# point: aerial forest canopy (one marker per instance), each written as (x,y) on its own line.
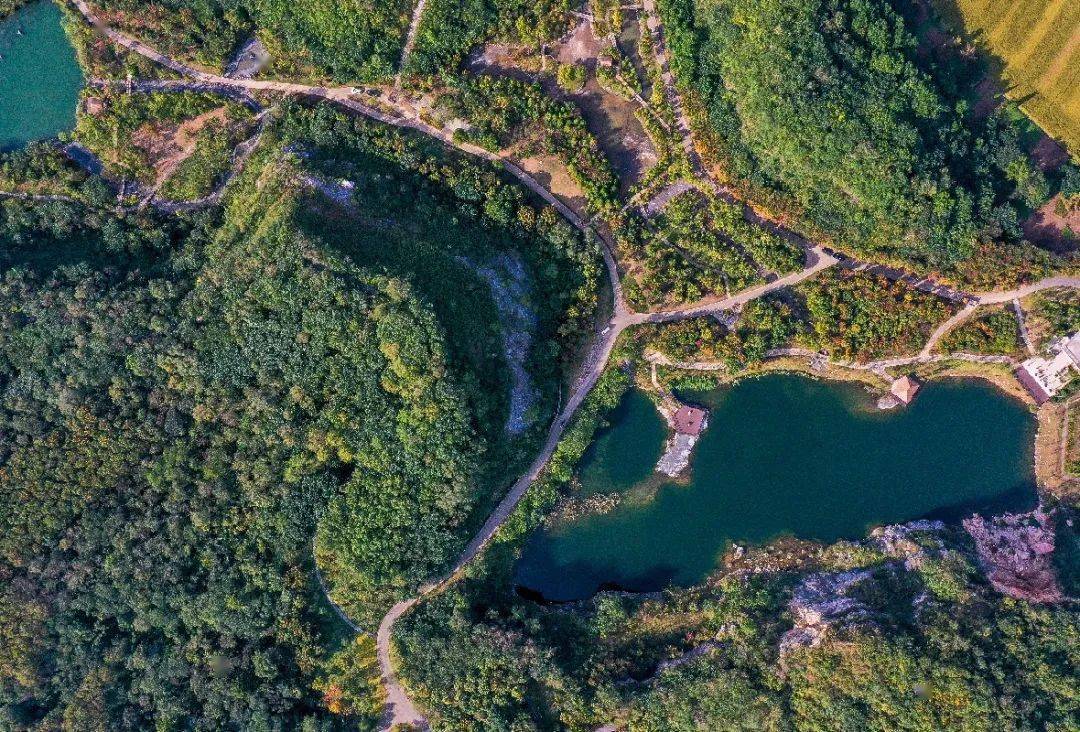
(825,106)
(349,40)
(181,434)
(193,409)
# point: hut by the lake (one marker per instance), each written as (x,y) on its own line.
(905,388)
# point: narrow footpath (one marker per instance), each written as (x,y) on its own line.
(410,40)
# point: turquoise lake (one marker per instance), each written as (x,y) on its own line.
(784,455)
(40,78)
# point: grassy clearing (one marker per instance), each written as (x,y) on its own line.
(1038,42)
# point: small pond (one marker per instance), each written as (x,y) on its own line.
(783,455)
(40,78)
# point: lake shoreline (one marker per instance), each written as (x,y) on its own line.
(740,491)
(40,76)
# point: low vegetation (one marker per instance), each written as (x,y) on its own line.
(697,247)
(571,77)
(209,161)
(995,331)
(347,41)
(450,29)
(761,326)
(504,111)
(865,317)
(1055,313)
(139,137)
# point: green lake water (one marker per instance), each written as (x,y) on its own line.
(40,78)
(783,455)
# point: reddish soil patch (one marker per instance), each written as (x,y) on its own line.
(1048,154)
(500,59)
(1016,550)
(167,145)
(580,46)
(553,175)
(1050,226)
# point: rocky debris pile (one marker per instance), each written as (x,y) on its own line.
(819,605)
(252,58)
(572,507)
(1016,552)
(508,279)
(899,541)
(695,652)
(676,457)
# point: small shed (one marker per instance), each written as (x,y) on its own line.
(689,420)
(905,388)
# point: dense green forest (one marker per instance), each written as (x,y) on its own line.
(344,39)
(196,404)
(824,108)
(166,466)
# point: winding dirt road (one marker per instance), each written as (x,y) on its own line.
(400,709)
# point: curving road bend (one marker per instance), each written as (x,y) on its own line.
(400,709)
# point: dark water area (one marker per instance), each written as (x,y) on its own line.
(40,78)
(784,455)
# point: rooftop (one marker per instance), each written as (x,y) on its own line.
(904,388)
(689,420)
(1043,376)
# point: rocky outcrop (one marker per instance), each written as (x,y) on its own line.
(676,457)
(819,605)
(910,543)
(1016,552)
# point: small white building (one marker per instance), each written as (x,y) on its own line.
(1043,376)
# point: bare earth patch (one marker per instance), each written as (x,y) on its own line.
(1049,226)
(580,46)
(553,175)
(166,145)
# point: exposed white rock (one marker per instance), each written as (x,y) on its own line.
(819,604)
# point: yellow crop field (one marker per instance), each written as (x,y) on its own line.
(1038,42)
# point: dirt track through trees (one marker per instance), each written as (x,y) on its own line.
(400,709)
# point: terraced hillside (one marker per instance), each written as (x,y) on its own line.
(1038,42)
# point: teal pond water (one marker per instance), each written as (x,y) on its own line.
(784,455)
(40,78)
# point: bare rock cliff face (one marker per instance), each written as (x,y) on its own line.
(820,604)
(1016,551)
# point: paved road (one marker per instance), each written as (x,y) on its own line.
(948,325)
(817,261)
(997,297)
